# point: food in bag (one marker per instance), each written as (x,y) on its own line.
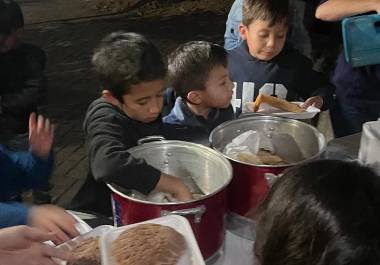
(278,103)
(86,252)
(148,244)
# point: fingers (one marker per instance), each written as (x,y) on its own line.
(32,123)
(40,124)
(37,235)
(61,236)
(67,224)
(63,224)
(54,252)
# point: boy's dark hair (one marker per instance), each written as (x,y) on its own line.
(124,59)
(190,64)
(273,11)
(322,213)
(11,17)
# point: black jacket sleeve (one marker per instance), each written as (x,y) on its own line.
(33,89)
(109,159)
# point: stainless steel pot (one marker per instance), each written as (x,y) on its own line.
(211,173)
(293,140)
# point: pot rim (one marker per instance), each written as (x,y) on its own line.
(214,152)
(318,134)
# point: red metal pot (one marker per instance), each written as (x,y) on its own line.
(298,141)
(210,171)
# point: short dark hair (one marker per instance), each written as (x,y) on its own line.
(273,11)
(190,64)
(11,17)
(325,212)
(124,59)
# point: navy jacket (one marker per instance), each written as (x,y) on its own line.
(289,75)
(182,115)
(357,86)
(20,171)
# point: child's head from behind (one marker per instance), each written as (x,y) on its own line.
(198,73)
(264,26)
(325,212)
(132,73)
(11,25)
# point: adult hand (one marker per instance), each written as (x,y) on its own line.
(175,187)
(22,245)
(316,101)
(50,218)
(41,135)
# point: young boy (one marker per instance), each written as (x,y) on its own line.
(131,72)
(24,170)
(199,75)
(261,64)
(22,87)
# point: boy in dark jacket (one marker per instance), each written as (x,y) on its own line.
(22,87)
(261,64)
(199,75)
(131,73)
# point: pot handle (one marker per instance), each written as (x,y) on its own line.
(148,139)
(197,212)
(271,178)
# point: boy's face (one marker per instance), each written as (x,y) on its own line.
(218,89)
(144,101)
(264,41)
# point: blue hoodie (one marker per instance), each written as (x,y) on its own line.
(13,213)
(20,171)
(182,115)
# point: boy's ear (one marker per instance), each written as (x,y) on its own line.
(243,30)
(110,98)
(194,97)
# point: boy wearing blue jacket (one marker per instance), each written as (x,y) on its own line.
(24,170)
(261,64)
(199,75)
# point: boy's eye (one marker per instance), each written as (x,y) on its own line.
(280,36)
(142,102)
(263,35)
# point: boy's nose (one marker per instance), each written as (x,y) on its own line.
(231,84)
(271,42)
(155,107)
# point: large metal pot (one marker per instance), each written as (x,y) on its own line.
(249,184)
(211,173)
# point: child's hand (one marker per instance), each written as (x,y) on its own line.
(316,101)
(41,134)
(175,187)
(23,245)
(54,219)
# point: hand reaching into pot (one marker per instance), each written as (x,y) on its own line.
(175,187)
